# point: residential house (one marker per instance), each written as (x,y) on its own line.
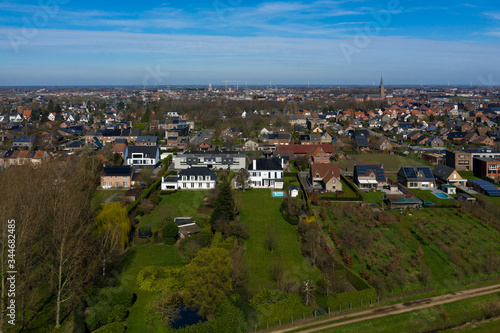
(146,141)
(361,139)
(383,144)
(320,156)
(24,141)
(142,156)
(447,175)
(117,177)
(369,176)
(486,167)
(416,177)
(277,139)
(325,177)
(310,139)
(459,160)
(251,145)
(204,146)
(211,159)
(326,138)
(266,173)
(192,178)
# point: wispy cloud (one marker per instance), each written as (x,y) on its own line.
(494,15)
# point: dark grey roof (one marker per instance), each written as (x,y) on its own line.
(123,170)
(267,164)
(198,171)
(150,151)
(147,139)
(442,171)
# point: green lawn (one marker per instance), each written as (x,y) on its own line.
(391,163)
(428,196)
(426,320)
(261,213)
(136,259)
(180,203)
(374,197)
(101,195)
(348,192)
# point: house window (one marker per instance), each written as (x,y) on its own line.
(192,178)
(184,185)
(413,185)
(425,185)
(492,167)
(200,177)
(125,184)
(184,178)
(199,185)
(207,178)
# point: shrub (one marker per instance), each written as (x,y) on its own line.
(156,279)
(156,199)
(139,212)
(170,232)
(103,314)
(115,327)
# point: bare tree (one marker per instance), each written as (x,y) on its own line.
(308,291)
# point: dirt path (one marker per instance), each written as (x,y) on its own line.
(390,310)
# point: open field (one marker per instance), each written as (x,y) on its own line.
(261,213)
(391,163)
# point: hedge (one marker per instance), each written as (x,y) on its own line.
(145,195)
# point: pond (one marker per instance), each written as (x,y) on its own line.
(186,317)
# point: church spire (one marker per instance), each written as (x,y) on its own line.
(381,89)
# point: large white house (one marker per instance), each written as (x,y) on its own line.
(210,159)
(194,178)
(266,173)
(142,156)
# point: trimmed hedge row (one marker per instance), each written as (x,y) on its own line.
(145,195)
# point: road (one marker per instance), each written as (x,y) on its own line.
(378,312)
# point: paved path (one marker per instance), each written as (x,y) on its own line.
(378,312)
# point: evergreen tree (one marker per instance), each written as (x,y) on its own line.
(224,204)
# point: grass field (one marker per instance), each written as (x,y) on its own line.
(391,162)
(136,259)
(261,213)
(180,203)
(426,320)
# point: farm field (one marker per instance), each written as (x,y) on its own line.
(261,213)
(391,163)
(441,249)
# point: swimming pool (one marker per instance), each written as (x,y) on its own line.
(441,195)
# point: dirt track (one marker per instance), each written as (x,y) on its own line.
(390,310)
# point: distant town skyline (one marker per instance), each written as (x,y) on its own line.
(153,43)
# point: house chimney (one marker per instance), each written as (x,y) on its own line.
(255,164)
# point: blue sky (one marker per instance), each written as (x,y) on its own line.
(65,42)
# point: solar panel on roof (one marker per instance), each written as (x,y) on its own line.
(427,172)
(410,172)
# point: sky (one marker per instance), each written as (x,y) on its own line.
(158,43)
